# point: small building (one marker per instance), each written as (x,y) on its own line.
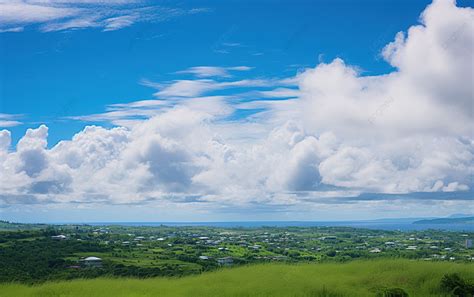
(94,262)
(280,258)
(203,257)
(59,237)
(226,261)
(468,243)
(74,267)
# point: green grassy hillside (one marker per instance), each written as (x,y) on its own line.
(359,278)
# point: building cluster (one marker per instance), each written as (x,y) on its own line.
(226,246)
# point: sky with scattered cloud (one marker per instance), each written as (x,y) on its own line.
(244,131)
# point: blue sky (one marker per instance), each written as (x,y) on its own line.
(47,76)
(66,64)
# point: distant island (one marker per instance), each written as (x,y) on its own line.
(462,220)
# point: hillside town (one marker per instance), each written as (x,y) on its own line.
(71,251)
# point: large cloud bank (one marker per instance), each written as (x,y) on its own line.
(340,135)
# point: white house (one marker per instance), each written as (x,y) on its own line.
(91,262)
(226,261)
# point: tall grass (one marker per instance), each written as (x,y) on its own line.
(358,278)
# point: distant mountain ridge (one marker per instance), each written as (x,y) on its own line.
(460,215)
(450,220)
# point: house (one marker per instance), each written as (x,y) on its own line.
(59,237)
(203,257)
(226,261)
(279,258)
(94,262)
(74,267)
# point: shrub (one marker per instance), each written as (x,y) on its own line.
(456,286)
(324,293)
(392,292)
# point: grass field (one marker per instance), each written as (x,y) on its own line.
(358,278)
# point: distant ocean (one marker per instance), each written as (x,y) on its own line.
(388,225)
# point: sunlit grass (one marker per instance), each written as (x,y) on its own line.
(358,278)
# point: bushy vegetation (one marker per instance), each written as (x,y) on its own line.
(28,256)
(32,256)
(392,292)
(356,278)
(455,285)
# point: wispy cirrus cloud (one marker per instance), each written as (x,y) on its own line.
(12,29)
(193,88)
(58,15)
(119,114)
(135,112)
(9,120)
(281,93)
(231,93)
(8,123)
(210,71)
(198,87)
(200,94)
